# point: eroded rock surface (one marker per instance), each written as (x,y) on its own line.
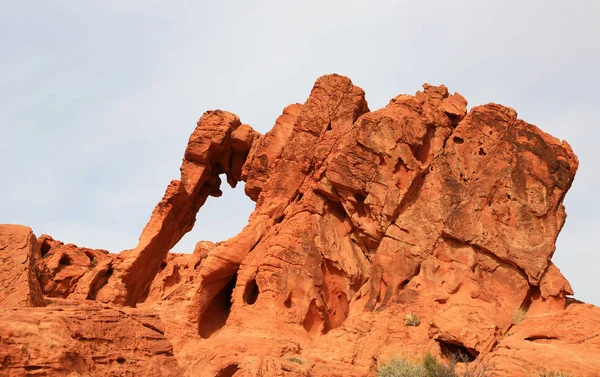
(19,251)
(361,218)
(84,339)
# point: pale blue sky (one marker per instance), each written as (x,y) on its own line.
(99,97)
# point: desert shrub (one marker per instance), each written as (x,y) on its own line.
(398,367)
(434,368)
(295,359)
(411,320)
(519,315)
(431,367)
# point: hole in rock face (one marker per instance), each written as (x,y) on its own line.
(458,140)
(328,127)
(454,119)
(288,301)
(541,339)
(313,322)
(65,261)
(121,360)
(482,152)
(228,371)
(218,219)
(457,352)
(337,209)
(421,152)
(251,292)
(360,198)
(45,248)
(334,292)
(360,207)
(218,310)
(32,367)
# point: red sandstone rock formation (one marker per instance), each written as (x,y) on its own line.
(361,217)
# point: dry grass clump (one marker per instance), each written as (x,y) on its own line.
(411,320)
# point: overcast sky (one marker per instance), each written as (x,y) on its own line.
(98,98)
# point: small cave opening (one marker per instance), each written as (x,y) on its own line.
(458,352)
(421,152)
(458,140)
(251,292)
(328,127)
(360,198)
(45,248)
(228,371)
(360,207)
(65,260)
(120,360)
(481,152)
(454,119)
(337,210)
(218,310)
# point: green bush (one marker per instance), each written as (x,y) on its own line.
(295,359)
(411,320)
(436,369)
(398,367)
(431,367)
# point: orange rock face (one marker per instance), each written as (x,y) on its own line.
(363,218)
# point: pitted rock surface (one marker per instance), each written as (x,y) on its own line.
(361,217)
